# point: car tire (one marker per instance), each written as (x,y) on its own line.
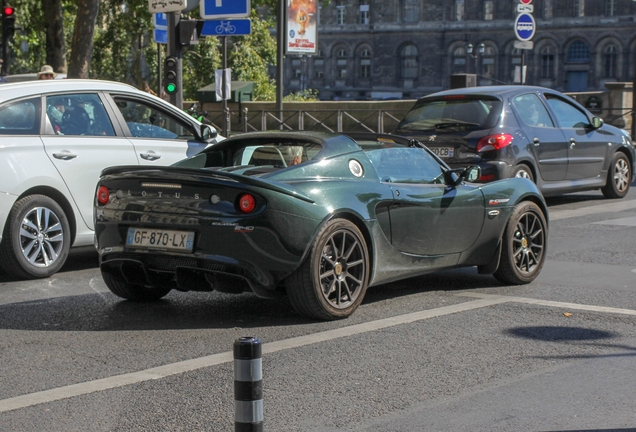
(619,176)
(332,281)
(523,171)
(524,244)
(36,238)
(133,292)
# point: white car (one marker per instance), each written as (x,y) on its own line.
(56,136)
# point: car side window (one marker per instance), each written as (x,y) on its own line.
(531,111)
(406,165)
(21,117)
(567,114)
(78,114)
(147,121)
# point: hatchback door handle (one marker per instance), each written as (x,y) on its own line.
(151,156)
(536,141)
(64,155)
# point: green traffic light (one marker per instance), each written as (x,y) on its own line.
(171,88)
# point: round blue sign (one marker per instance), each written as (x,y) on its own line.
(525,26)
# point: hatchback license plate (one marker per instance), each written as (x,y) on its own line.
(160,239)
(443,152)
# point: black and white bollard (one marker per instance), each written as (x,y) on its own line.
(248,385)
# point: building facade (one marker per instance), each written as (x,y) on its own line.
(409,48)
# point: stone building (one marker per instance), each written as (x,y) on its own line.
(409,48)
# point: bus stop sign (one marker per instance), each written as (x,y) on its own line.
(525,26)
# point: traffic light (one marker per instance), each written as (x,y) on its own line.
(172,75)
(8,22)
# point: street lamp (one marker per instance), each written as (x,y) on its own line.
(480,52)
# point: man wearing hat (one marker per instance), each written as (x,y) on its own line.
(46,73)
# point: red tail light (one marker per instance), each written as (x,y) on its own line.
(246,203)
(103,195)
(494,142)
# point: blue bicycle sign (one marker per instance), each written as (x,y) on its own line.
(225,27)
(235,27)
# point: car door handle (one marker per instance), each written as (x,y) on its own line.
(572,142)
(151,156)
(536,141)
(64,155)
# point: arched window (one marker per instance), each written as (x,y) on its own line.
(579,52)
(341,63)
(459,60)
(610,57)
(365,63)
(409,56)
(547,63)
(488,63)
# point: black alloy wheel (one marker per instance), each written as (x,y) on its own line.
(333,280)
(524,245)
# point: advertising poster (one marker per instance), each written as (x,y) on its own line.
(302,27)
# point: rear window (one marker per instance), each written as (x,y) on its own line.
(20,118)
(440,114)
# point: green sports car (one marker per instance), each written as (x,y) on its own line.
(319,217)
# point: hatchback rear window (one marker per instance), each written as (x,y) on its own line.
(20,118)
(454,114)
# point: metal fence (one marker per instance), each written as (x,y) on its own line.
(351,120)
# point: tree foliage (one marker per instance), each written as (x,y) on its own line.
(123,48)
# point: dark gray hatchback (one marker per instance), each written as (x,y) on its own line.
(524,131)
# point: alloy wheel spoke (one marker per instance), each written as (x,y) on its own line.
(27,234)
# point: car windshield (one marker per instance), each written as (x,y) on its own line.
(444,114)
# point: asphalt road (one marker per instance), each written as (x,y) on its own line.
(450,351)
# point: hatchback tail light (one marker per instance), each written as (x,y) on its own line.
(494,142)
(246,203)
(103,195)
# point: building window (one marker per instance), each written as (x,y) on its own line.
(579,8)
(609,7)
(459,60)
(488,63)
(341,64)
(609,61)
(364,12)
(411,12)
(489,8)
(579,52)
(547,63)
(365,63)
(340,14)
(547,9)
(319,74)
(459,10)
(409,62)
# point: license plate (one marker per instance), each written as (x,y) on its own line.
(160,239)
(443,152)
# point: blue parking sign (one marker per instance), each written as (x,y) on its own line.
(160,21)
(218,9)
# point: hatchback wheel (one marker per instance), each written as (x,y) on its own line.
(619,177)
(523,171)
(36,238)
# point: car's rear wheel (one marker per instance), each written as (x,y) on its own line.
(133,292)
(523,171)
(36,238)
(333,280)
(619,177)
(524,245)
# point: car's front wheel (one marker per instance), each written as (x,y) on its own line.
(619,177)
(523,245)
(333,280)
(36,238)
(133,292)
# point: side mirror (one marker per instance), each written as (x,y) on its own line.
(597,122)
(208,133)
(472,173)
(456,176)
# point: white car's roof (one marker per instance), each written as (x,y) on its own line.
(20,89)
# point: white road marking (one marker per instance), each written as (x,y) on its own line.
(226,357)
(603,208)
(628,221)
(484,300)
(550,303)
